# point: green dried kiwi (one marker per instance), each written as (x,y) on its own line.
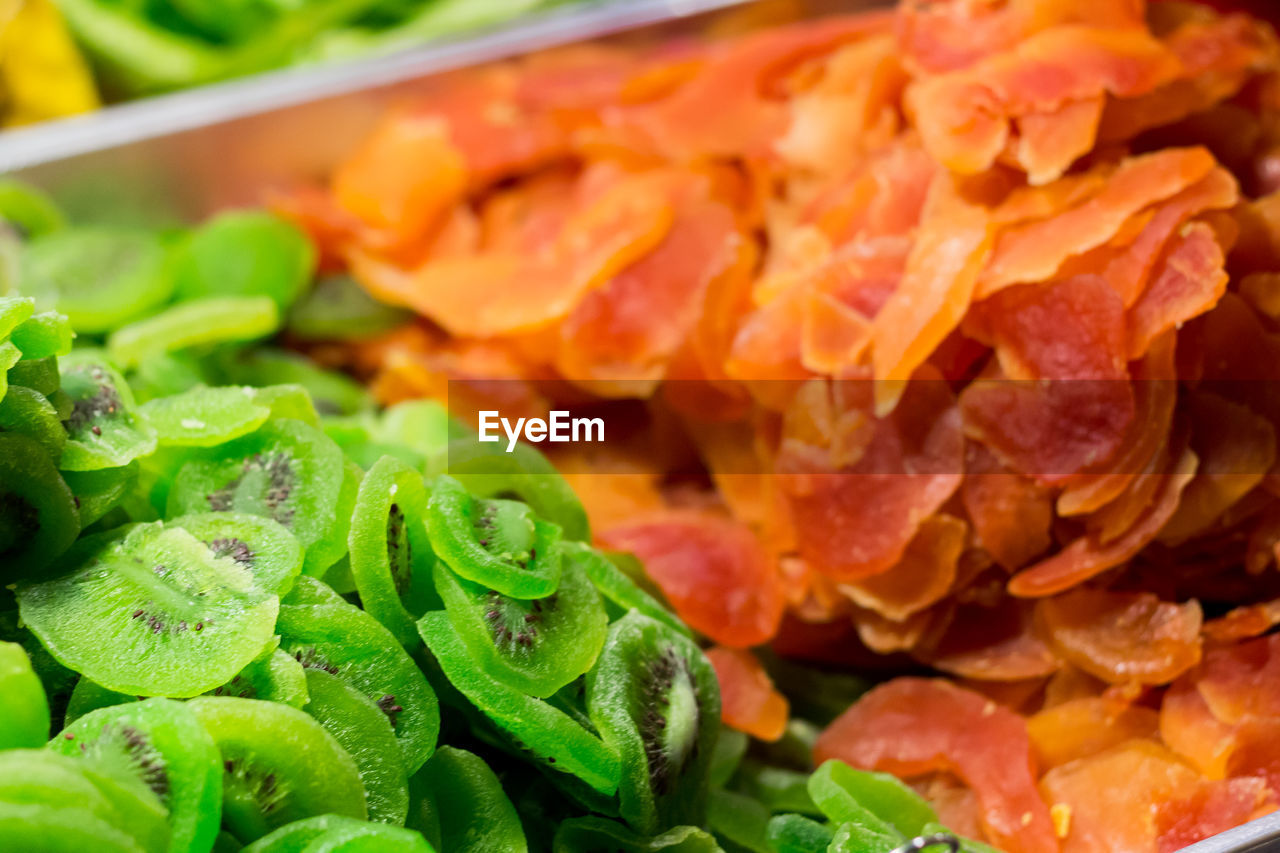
(9,356)
(104,429)
(538,645)
(163,745)
(28,209)
(30,776)
(467,805)
(268,551)
(500,544)
(347,642)
(309,590)
(334,834)
(844,794)
(793,833)
(245,253)
(98,492)
(620,591)
(100,277)
(420,425)
(58,681)
(738,820)
(655,701)
(488,471)
(859,837)
(356,435)
(338,577)
(288,401)
(599,835)
(336,308)
(390,553)
(364,731)
(332,392)
(200,322)
(43,335)
(38,374)
(286,471)
(38,828)
(151,611)
(331,550)
(38,517)
(274,677)
(731,746)
(203,416)
(24,411)
(14,310)
(550,736)
(24,713)
(139,810)
(279,765)
(167,374)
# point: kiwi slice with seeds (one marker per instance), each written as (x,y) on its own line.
(286,471)
(38,517)
(99,277)
(465,805)
(204,417)
(245,253)
(499,544)
(43,335)
(390,551)
(28,412)
(279,766)
(364,730)
(264,547)
(162,744)
(200,322)
(547,734)
(38,374)
(347,642)
(335,834)
(104,429)
(655,701)
(24,713)
(151,611)
(538,645)
(488,471)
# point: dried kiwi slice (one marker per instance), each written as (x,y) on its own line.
(28,209)
(550,735)
(537,645)
(364,731)
(619,590)
(391,556)
(332,393)
(598,835)
(245,253)
(323,556)
(204,417)
(279,765)
(14,310)
(104,429)
(162,744)
(38,776)
(349,643)
(98,492)
(286,471)
(654,699)
(465,806)
(151,611)
(337,308)
(24,713)
(43,335)
(499,544)
(36,828)
(488,471)
(38,517)
(100,277)
(334,834)
(38,374)
(212,320)
(9,356)
(793,833)
(25,411)
(264,547)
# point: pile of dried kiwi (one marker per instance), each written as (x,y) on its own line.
(242,608)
